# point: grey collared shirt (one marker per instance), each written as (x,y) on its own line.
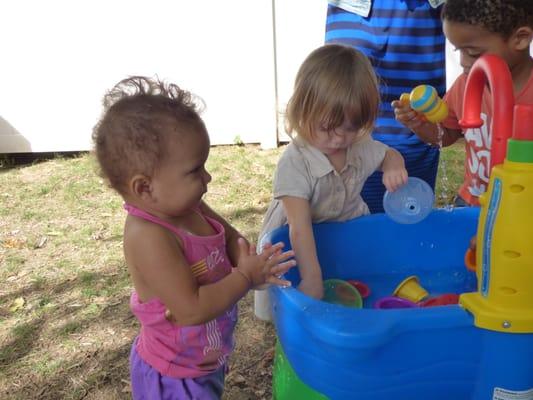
(305,172)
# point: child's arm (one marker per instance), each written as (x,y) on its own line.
(158,262)
(393,168)
(233,237)
(427,131)
(298,212)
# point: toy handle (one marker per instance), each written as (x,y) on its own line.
(405,98)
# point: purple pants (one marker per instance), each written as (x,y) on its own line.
(149,384)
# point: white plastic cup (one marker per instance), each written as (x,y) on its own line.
(262,309)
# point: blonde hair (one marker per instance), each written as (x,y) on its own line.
(333,83)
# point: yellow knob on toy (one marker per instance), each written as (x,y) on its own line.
(405,98)
(425,100)
(439,113)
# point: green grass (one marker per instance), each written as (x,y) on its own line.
(450,175)
(61,255)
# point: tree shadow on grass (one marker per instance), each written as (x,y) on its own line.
(25,335)
(81,371)
(77,379)
(36,288)
(18,160)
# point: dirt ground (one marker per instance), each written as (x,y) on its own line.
(65,324)
(102,371)
(250,376)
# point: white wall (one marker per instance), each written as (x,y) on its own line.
(59,57)
(300,28)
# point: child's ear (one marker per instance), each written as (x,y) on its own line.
(522,38)
(141,187)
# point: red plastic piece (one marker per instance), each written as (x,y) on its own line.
(442,300)
(493,69)
(523,122)
(361,287)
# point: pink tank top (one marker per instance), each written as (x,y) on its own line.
(187,351)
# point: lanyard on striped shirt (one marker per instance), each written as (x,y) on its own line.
(362,7)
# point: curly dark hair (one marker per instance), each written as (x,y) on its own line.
(497,16)
(139,116)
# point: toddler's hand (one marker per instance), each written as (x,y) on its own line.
(266,267)
(393,179)
(405,115)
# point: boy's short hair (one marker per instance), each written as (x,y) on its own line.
(334,82)
(497,16)
(140,114)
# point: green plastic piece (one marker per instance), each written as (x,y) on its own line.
(337,291)
(285,383)
(520,151)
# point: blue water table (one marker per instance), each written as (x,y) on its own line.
(481,348)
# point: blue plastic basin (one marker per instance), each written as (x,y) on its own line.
(372,354)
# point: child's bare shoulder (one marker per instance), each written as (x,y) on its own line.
(140,234)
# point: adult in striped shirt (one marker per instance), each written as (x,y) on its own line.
(404,41)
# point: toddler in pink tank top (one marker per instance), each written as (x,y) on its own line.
(188,266)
